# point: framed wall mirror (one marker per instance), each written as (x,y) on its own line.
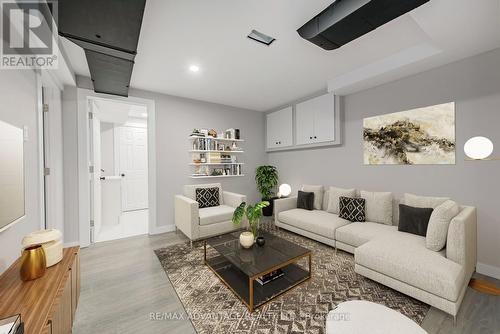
(12,199)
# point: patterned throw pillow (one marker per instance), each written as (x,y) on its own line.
(207,197)
(352,209)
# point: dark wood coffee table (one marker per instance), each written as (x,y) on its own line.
(239,268)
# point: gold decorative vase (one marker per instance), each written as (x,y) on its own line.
(33,263)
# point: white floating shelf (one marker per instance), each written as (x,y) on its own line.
(217,139)
(213,176)
(213,151)
(215,164)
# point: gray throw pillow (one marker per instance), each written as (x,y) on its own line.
(437,230)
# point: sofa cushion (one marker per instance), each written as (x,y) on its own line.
(334,195)
(352,209)
(357,234)
(423,201)
(190,190)
(414,220)
(216,214)
(207,197)
(317,221)
(404,257)
(378,206)
(305,200)
(437,231)
(318,194)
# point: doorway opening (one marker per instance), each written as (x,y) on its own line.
(118,145)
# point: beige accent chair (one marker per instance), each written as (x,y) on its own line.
(203,223)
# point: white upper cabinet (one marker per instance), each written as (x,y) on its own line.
(315,120)
(280,128)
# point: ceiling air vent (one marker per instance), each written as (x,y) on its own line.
(345,20)
(260,37)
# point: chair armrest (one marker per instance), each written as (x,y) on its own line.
(187,216)
(284,204)
(233,199)
(461,244)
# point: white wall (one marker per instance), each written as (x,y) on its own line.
(474,84)
(18,98)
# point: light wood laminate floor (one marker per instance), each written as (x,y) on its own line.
(123,283)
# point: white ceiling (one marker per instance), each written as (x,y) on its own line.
(237,71)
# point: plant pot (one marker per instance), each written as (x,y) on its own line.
(268,210)
(247,239)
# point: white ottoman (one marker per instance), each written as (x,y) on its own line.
(360,317)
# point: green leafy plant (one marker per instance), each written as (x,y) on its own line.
(252,213)
(266,178)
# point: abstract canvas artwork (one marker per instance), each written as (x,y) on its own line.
(412,137)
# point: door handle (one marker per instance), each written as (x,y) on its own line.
(315,137)
(122,175)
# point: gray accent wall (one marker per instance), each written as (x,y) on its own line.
(175,119)
(474,84)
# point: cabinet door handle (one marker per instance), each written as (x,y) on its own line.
(315,137)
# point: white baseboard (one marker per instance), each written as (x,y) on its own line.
(163,229)
(71,244)
(488,270)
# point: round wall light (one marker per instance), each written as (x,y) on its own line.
(285,190)
(478,148)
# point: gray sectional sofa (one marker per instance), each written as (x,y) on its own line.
(399,260)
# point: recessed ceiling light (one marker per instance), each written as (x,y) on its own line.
(194,68)
(261,38)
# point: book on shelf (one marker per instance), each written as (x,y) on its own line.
(263,280)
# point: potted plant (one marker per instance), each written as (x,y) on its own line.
(253,214)
(266,178)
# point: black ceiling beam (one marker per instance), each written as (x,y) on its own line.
(108,31)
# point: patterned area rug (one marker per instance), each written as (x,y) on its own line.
(213,308)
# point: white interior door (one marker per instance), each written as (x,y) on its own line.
(95,179)
(133,167)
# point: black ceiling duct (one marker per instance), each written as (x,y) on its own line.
(345,20)
(108,30)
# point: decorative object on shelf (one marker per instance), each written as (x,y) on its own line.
(50,240)
(12,325)
(236,133)
(212,133)
(479,148)
(418,136)
(33,263)
(252,213)
(266,178)
(246,239)
(284,190)
(260,241)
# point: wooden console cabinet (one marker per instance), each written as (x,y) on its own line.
(47,305)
